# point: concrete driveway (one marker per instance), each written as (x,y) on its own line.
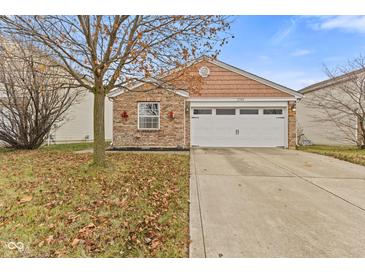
(275,203)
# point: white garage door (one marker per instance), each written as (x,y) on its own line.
(238,127)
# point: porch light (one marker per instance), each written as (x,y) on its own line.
(293,107)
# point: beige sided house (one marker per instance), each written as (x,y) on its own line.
(225,107)
(78,124)
(313,122)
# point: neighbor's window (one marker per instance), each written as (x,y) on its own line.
(249,111)
(225,111)
(202,111)
(149,115)
(273,111)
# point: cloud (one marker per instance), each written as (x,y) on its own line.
(344,23)
(280,35)
(301,52)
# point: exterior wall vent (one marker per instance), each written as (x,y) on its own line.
(204,71)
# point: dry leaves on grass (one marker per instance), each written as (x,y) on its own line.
(137,208)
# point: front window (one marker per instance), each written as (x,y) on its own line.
(149,115)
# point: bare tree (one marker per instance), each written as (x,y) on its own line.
(103,53)
(34,95)
(342,101)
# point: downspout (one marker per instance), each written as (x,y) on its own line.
(184,126)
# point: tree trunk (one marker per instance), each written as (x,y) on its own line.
(361,133)
(360,143)
(99,128)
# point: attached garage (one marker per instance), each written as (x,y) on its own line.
(238,127)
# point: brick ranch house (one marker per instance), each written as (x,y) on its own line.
(225,107)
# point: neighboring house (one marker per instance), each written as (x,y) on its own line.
(229,107)
(324,126)
(77,126)
(78,123)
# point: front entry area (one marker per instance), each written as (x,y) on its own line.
(238,127)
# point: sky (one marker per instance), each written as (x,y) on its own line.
(294,50)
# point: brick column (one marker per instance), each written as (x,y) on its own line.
(187,124)
(292,126)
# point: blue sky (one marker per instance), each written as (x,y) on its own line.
(292,50)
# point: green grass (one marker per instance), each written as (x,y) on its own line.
(58,206)
(59,147)
(70,147)
(62,147)
(347,153)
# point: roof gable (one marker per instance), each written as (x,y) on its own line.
(256,78)
(332,81)
(229,81)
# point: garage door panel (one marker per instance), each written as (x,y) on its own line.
(220,135)
(238,130)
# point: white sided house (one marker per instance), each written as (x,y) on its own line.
(326,126)
(77,126)
(78,123)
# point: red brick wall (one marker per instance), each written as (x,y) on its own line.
(171,133)
(292,126)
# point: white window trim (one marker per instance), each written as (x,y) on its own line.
(159,115)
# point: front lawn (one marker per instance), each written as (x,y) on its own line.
(54,203)
(346,153)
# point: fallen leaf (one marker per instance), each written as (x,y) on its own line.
(155,244)
(41,243)
(26,199)
(49,239)
(75,242)
(90,225)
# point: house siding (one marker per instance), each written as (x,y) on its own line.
(314,124)
(225,83)
(78,121)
